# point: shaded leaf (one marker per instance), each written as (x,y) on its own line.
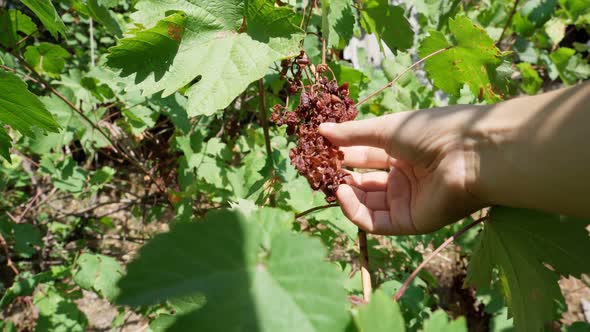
(570,65)
(47,58)
(104,16)
(290,280)
(380,315)
(48,16)
(12,22)
(338,22)
(388,23)
(519,243)
(439,322)
(99,273)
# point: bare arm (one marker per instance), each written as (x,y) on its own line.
(448,162)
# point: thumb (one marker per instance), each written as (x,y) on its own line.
(373,132)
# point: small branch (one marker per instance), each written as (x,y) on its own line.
(397,78)
(264,122)
(365,272)
(448,241)
(25,38)
(29,206)
(317,208)
(323,51)
(9,262)
(312,5)
(508,22)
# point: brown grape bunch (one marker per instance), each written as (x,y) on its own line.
(323,100)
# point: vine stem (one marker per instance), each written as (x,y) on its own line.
(448,241)
(365,272)
(314,209)
(508,22)
(264,122)
(9,261)
(397,78)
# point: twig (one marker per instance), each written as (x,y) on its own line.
(508,22)
(448,241)
(365,273)
(9,262)
(390,84)
(92,61)
(324,51)
(312,5)
(29,206)
(317,208)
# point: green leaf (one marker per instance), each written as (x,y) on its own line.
(104,16)
(439,322)
(519,243)
(66,175)
(21,109)
(570,65)
(99,273)
(290,280)
(156,47)
(56,313)
(388,23)
(47,58)
(472,60)
(48,16)
(338,22)
(26,238)
(215,59)
(25,283)
(5,144)
(531,81)
(380,315)
(533,15)
(12,22)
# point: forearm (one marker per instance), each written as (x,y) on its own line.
(532,152)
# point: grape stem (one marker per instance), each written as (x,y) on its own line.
(397,78)
(365,272)
(314,209)
(448,241)
(264,123)
(508,21)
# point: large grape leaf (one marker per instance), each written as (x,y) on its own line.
(218,54)
(286,287)
(48,16)
(519,243)
(472,60)
(388,23)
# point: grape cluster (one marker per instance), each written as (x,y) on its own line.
(323,100)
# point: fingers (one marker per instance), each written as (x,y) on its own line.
(366,157)
(372,181)
(354,206)
(371,132)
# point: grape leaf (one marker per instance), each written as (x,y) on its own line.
(25,283)
(215,57)
(519,242)
(388,23)
(570,66)
(471,59)
(531,81)
(381,314)
(26,238)
(12,22)
(48,16)
(21,109)
(439,322)
(99,273)
(47,58)
(57,313)
(532,16)
(290,280)
(338,22)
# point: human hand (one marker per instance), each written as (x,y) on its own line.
(432,165)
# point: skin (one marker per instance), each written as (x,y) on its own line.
(446,163)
